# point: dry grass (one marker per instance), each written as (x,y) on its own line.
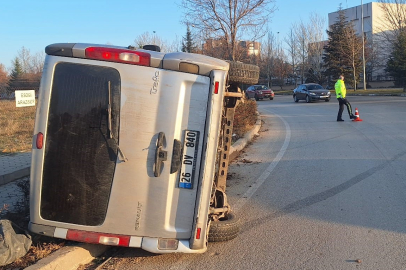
(16,127)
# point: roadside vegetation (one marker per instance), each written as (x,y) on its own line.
(245,118)
(17,126)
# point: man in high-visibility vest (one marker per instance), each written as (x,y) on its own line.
(341,93)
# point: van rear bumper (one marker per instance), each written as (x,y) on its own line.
(146,243)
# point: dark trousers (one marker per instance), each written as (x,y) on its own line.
(341,103)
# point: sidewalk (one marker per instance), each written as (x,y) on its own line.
(14,166)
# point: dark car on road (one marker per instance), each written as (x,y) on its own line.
(311,92)
(259,92)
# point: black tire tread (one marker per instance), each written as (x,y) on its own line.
(224,230)
(243,73)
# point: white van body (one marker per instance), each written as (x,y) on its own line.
(125,146)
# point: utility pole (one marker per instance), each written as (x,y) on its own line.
(303,57)
(363,43)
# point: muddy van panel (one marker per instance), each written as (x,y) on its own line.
(97,171)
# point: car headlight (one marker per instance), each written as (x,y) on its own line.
(259,92)
(313,94)
(328,93)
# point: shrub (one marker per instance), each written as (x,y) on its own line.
(244,118)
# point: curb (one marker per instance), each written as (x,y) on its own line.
(240,144)
(69,258)
(10,177)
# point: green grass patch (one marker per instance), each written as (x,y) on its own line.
(383,91)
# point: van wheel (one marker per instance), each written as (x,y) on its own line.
(225,229)
(243,73)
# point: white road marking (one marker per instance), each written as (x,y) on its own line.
(265,174)
(182,263)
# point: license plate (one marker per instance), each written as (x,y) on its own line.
(190,151)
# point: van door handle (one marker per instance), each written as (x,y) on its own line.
(160,155)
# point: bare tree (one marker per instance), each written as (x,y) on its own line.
(390,26)
(31,64)
(24,57)
(302,36)
(351,49)
(267,67)
(37,62)
(309,39)
(292,41)
(316,39)
(394,18)
(229,20)
(147,38)
(281,67)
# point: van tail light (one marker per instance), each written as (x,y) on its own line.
(168,244)
(98,238)
(216,87)
(198,233)
(118,55)
(40,140)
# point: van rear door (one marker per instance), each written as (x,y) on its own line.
(163,118)
(156,116)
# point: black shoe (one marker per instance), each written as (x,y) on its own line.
(352,116)
(340,120)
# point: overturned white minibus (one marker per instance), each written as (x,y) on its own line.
(131,147)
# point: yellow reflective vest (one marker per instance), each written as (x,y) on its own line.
(341,91)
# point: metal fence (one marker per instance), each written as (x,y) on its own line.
(16,123)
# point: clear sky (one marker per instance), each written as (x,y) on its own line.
(35,24)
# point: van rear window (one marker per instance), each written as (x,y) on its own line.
(80,156)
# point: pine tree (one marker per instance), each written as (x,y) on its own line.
(187,43)
(15,75)
(396,65)
(17,69)
(343,52)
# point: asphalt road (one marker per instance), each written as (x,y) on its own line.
(312,193)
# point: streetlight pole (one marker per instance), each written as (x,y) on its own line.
(363,43)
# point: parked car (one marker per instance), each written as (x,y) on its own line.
(259,92)
(131,147)
(311,92)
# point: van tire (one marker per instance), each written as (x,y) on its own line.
(243,73)
(224,230)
